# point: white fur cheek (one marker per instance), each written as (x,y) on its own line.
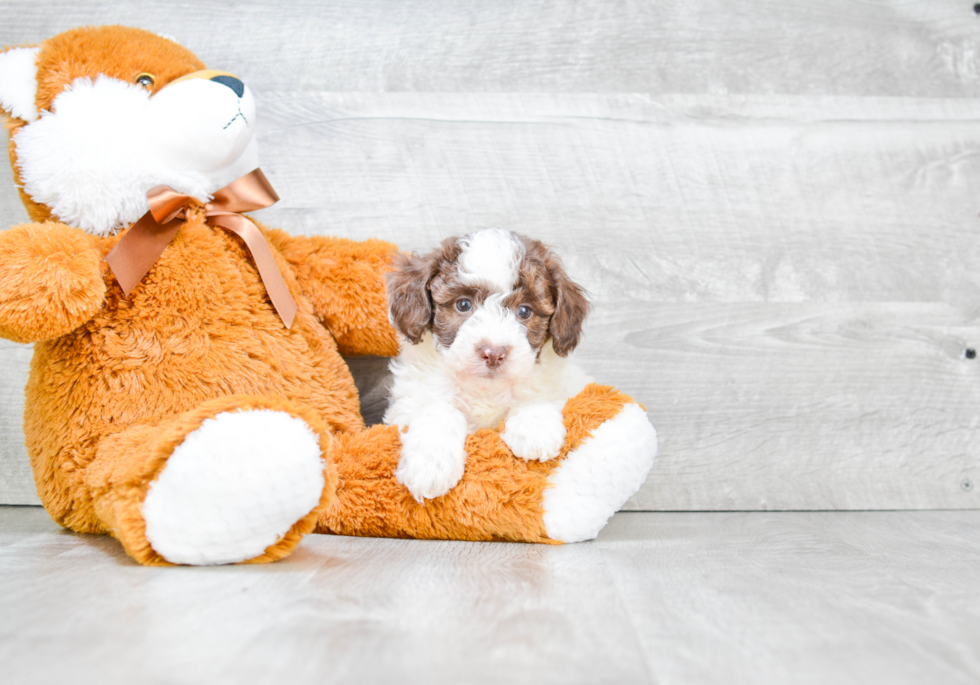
(535,431)
(18,82)
(98,127)
(433,454)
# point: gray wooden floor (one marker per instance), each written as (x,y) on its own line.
(760,597)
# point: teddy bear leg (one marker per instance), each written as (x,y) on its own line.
(236,479)
(608,452)
(498,498)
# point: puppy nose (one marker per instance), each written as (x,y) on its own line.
(493,356)
(231,82)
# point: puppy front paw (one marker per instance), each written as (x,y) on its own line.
(536,431)
(433,453)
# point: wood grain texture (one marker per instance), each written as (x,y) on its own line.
(774,208)
(16,479)
(800,406)
(922,48)
(800,597)
(659,598)
(678,198)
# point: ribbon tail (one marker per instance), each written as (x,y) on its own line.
(274,283)
(245,194)
(138,249)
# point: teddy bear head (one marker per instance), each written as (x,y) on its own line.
(99,115)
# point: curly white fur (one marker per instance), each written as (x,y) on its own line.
(535,431)
(433,456)
(491,256)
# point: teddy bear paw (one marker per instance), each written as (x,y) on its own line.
(536,431)
(597,478)
(233,487)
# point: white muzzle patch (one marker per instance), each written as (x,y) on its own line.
(495,326)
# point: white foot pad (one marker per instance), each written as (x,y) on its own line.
(233,487)
(596,479)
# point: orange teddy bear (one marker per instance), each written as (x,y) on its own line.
(188,396)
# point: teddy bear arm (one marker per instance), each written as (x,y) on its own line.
(51,281)
(344,279)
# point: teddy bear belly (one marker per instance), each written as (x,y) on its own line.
(164,351)
(74,401)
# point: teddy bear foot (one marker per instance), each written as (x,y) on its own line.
(598,477)
(234,487)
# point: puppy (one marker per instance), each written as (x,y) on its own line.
(488,321)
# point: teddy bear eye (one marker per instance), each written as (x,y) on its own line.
(523,312)
(463,305)
(145,80)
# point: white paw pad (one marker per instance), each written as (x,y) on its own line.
(233,487)
(596,479)
(535,432)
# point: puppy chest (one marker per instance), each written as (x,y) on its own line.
(482,412)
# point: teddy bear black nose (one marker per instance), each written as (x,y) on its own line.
(231,82)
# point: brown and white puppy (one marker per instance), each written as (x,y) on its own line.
(487,322)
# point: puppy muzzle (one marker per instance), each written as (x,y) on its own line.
(493,356)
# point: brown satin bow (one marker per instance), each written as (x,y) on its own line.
(140,247)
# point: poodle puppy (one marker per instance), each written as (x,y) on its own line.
(486,322)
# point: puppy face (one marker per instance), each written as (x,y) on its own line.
(491,299)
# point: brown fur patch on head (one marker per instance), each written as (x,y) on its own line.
(423,292)
(117,51)
(534,291)
(447,289)
(558,305)
(410,306)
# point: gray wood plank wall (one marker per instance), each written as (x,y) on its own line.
(774,206)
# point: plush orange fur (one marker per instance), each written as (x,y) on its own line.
(499,497)
(118,382)
(126,463)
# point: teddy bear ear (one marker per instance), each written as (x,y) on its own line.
(18,82)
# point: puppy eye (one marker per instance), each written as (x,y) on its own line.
(145,80)
(463,305)
(523,312)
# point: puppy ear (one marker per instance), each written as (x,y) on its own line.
(409,301)
(571,308)
(18,82)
